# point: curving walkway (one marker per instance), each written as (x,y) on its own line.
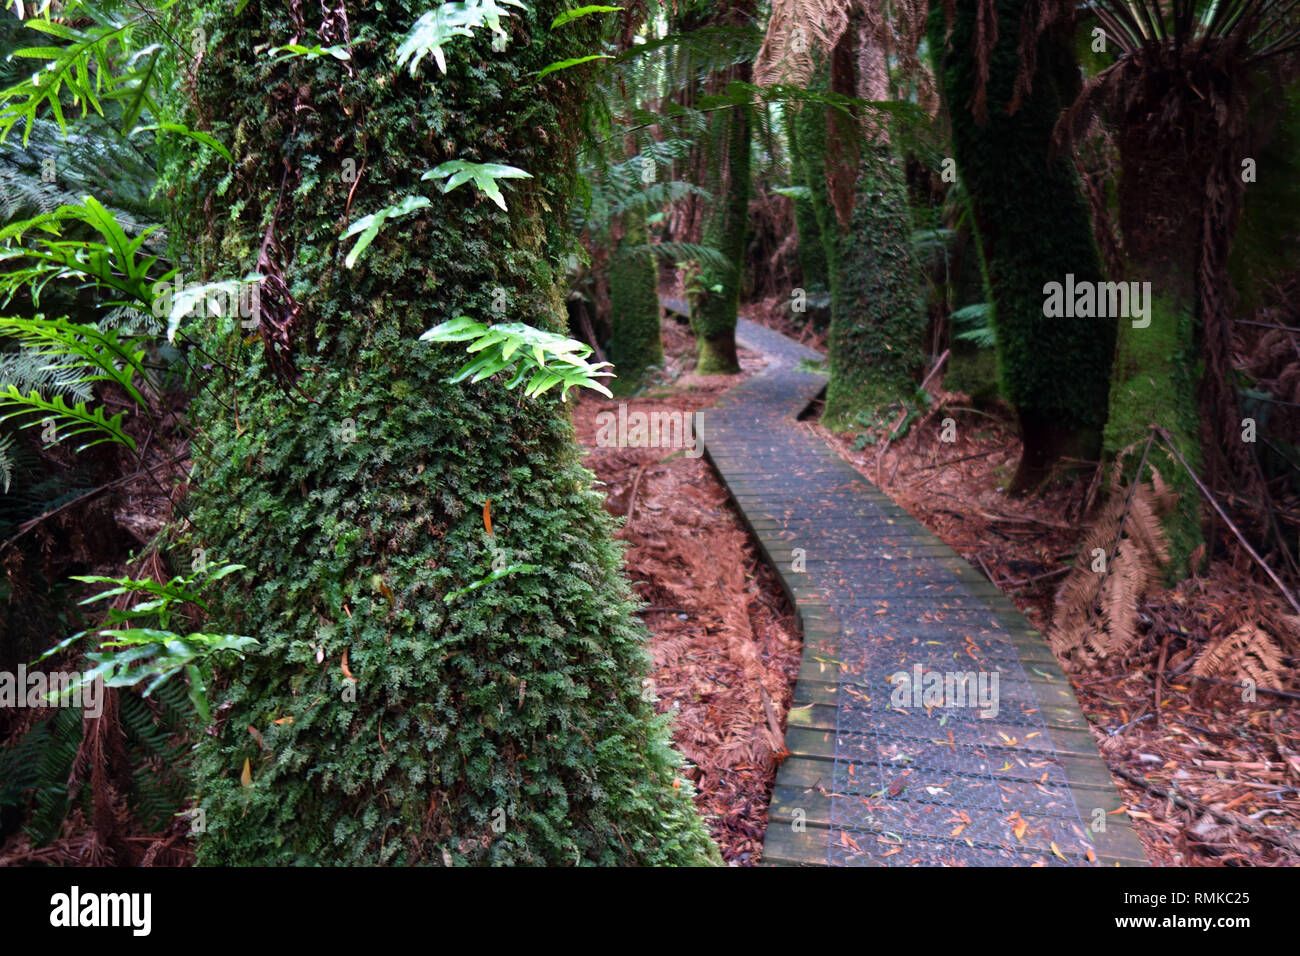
(868,783)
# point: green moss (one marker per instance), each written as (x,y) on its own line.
(715,306)
(636,344)
(877,313)
(1032,227)
(1155,382)
(507,726)
(973,370)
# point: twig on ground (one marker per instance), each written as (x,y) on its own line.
(1187,803)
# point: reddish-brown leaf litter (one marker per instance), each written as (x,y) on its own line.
(723,637)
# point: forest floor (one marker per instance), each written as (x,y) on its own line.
(1209,780)
(723,637)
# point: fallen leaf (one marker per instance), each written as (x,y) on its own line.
(246,778)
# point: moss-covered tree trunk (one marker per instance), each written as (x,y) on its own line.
(1156,366)
(636,344)
(1033,227)
(877,310)
(384,717)
(716,303)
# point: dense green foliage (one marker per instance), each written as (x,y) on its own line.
(1033,227)
(636,344)
(507,725)
(877,312)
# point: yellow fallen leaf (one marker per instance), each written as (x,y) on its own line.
(1057,850)
(1018,824)
(246,778)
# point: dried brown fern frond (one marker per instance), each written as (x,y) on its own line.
(1248,653)
(1119,560)
(799,33)
(1129,576)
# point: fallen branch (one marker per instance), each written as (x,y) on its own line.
(1022,582)
(937,365)
(1189,804)
(31,523)
(1266,690)
(631,500)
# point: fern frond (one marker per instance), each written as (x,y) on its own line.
(439,26)
(799,34)
(706,256)
(69,420)
(1096,610)
(1249,652)
(97,355)
(6,461)
(32,370)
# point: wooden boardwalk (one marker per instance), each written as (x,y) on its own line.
(880,773)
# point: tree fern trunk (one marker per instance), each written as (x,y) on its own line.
(878,317)
(377,722)
(636,344)
(877,313)
(714,307)
(1156,380)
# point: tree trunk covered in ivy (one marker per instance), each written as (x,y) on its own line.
(636,344)
(877,311)
(378,722)
(715,305)
(1032,228)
